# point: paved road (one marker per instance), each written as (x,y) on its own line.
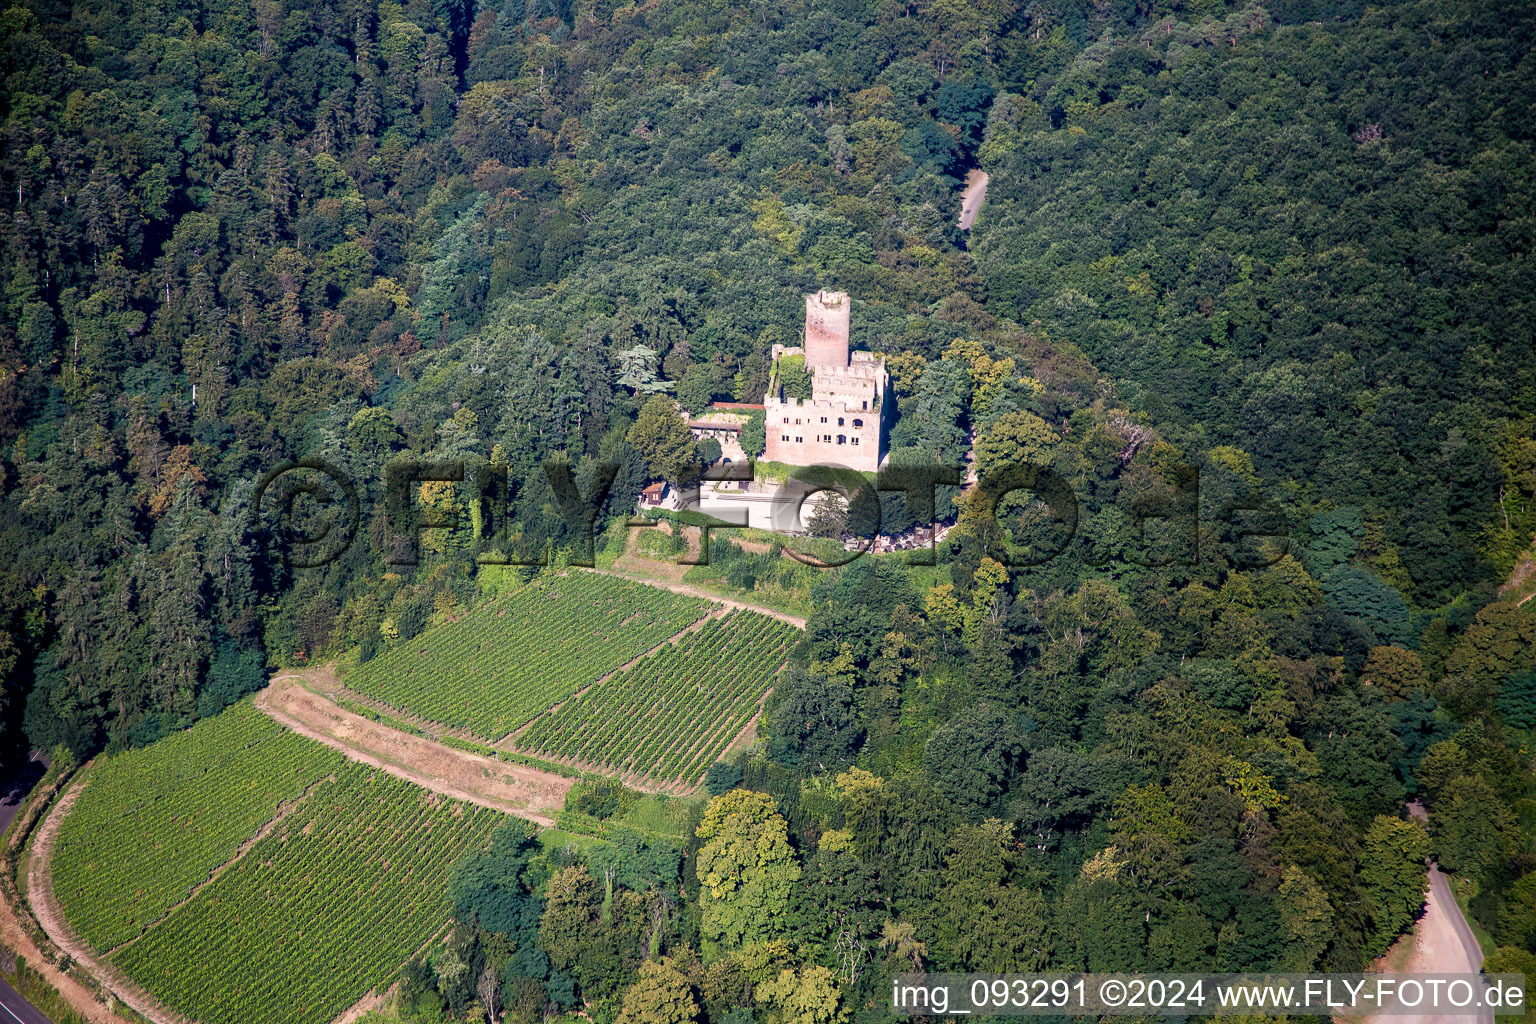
(1443,943)
(15,1008)
(1471,959)
(1472,951)
(971,199)
(15,788)
(16,785)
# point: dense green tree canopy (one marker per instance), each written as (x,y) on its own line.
(1253,282)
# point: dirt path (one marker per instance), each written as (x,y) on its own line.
(499,785)
(707,595)
(1442,943)
(971,199)
(640,568)
(50,915)
(633,565)
(325,704)
(633,561)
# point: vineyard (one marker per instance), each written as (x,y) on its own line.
(329,905)
(240,851)
(497,667)
(153,823)
(672,714)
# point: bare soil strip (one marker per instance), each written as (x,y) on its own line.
(508,743)
(499,785)
(45,907)
(320,682)
(370,1002)
(437,729)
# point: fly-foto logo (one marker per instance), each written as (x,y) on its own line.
(310,512)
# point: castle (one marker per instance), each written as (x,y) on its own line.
(843,422)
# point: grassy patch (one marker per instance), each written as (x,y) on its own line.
(662,815)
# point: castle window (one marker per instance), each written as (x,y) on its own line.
(858,423)
(798,440)
(786,419)
(824,419)
(784,437)
(841,439)
(866,403)
(839,421)
(855,440)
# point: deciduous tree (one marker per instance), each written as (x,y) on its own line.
(745,868)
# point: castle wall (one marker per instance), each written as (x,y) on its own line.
(821,432)
(854,391)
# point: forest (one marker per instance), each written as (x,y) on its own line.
(1283,249)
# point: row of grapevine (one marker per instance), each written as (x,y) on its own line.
(498,666)
(150,824)
(330,905)
(672,714)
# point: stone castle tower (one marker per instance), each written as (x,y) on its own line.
(826,329)
(843,423)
